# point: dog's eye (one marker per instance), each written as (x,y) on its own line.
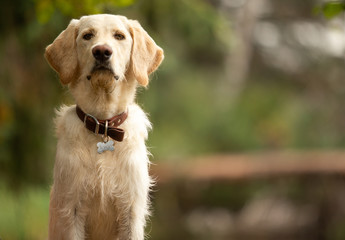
(87,36)
(119,36)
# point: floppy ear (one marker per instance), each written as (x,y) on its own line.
(62,54)
(146,55)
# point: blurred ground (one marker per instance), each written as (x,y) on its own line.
(276,195)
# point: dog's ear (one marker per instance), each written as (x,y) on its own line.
(146,55)
(62,54)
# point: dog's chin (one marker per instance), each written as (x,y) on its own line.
(103,80)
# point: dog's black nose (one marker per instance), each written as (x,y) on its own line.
(102,52)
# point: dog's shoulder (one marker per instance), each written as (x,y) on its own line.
(66,120)
(137,124)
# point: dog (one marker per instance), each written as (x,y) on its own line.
(101,172)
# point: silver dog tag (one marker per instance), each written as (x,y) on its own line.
(105,146)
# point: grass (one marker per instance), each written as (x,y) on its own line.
(24,214)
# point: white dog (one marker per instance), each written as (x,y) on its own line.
(101,179)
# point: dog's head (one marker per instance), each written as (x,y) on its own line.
(103,49)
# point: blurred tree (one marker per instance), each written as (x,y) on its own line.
(243,19)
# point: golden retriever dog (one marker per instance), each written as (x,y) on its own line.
(101,179)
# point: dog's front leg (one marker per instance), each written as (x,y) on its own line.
(132,207)
(131,223)
(77,227)
(66,221)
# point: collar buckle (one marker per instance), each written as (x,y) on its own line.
(96,121)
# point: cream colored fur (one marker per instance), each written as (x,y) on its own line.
(101,196)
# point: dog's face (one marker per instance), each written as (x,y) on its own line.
(103,49)
(103,46)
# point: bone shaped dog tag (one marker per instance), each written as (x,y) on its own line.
(105,146)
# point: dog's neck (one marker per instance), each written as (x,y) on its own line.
(104,105)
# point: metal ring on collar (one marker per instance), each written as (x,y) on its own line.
(96,121)
(105,136)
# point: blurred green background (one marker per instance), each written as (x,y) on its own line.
(239,76)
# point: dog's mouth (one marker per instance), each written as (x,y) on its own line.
(102,69)
(103,77)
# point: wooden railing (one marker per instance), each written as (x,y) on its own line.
(253,165)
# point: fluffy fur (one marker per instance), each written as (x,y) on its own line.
(101,196)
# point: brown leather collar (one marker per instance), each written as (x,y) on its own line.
(98,126)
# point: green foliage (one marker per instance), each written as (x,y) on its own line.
(75,8)
(192,30)
(331,9)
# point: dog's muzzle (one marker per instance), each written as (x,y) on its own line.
(102,55)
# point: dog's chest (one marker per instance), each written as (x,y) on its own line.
(113,173)
(107,165)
